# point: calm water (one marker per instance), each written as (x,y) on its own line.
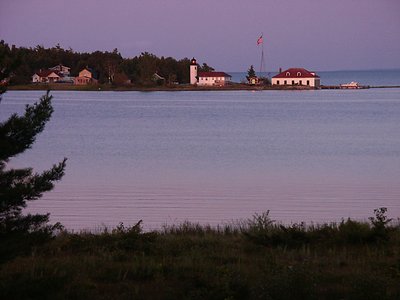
(214,157)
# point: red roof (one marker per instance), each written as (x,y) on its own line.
(46,73)
(296,73)
(213,74)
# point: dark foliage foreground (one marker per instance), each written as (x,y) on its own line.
(18,186)
(255,259)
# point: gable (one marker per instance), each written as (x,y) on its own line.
(53,75)
(85,73)
(47,73)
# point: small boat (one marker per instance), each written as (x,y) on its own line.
(351,85)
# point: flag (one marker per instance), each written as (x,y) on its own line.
(260,40)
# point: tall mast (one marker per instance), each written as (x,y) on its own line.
(262,64)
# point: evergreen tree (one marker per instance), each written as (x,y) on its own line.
(17,186)
(251,73)
(24,62)
(205,68)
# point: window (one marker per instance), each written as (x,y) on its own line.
(300,82)
(287,74)
(292,82)
(298,74)
(308,82)
(277,82)
(285,82)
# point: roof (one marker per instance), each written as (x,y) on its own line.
(213,74)
(156,76)
(60,67)
(87,69)
(93,72)
(296,73)
(46,73)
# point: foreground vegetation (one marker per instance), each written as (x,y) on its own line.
(255,259)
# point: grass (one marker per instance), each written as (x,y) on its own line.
(254,259)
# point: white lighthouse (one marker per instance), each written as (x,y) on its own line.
(193,71)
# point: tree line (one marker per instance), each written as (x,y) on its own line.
(110,67)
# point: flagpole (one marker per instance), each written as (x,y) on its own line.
(262,55)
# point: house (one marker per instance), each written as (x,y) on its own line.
(207,78)
(61,69)
(253,80)
(213,78)
(296,77)
(86,76)
(158,78)
(46,76)
(59,74)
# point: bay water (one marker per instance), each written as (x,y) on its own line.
(216,157)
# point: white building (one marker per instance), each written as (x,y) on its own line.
(62,70)
(207,78)
(213,78)
(193,71)
(46,76)
(298,77)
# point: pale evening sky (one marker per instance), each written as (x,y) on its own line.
(315,34)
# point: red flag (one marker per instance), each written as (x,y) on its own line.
(260,40)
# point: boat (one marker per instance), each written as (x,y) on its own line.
(351,85)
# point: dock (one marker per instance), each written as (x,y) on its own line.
(341,87)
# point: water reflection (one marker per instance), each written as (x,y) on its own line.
(216,157)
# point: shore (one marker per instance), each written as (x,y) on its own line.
(186,87)
(256,259)
(172,88)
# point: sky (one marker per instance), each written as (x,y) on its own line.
(320,35)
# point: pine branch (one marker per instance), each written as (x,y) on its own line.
(18,133)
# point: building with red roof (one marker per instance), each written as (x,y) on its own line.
(297,77)
(59,74)
(46,76)
(207,78)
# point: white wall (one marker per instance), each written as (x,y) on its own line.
(213,80)
(314,82)
(193,74)
(35,78)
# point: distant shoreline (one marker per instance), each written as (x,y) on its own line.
(177,88)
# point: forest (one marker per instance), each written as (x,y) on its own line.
(110,67)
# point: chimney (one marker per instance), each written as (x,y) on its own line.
(280,70)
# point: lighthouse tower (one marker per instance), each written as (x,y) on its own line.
(193,71)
